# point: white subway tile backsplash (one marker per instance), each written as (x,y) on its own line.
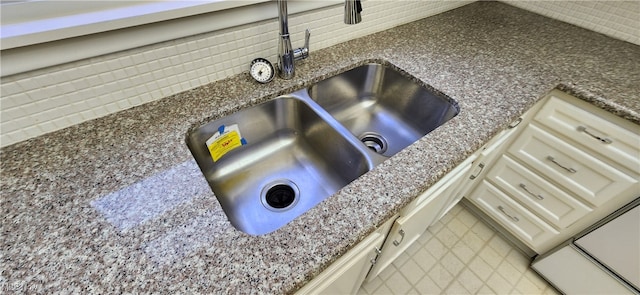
(99,86)
(618,19)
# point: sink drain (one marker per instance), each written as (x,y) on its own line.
(280,195)
(374,142)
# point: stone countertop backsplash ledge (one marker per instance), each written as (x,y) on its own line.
(117,204)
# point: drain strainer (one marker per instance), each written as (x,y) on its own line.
(280,195)
(374,142)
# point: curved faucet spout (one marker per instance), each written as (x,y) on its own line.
(286,54)
(286,68)
(352,9)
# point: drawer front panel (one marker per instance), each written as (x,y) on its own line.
(621,145)
(576,170)
(524,225)
(547,200)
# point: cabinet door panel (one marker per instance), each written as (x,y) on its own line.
(520,222)
(594,130)
(576,170)
(547,200)
(347,274)
(407,229)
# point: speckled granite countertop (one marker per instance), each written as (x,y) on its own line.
(117,204)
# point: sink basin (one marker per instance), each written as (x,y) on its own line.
(303,147)
(292,160)
(381,107)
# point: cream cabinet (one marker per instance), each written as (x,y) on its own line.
(347,273)
(436,201)
(371,256)
(578,171)
(526,225)
(555,171)
(530,189)
(416,217)
(570,166)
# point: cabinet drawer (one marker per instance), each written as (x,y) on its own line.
(545,199)
(579,172)
(527,227)
(602,132)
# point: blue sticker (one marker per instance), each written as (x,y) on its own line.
(221,129)
(243,141)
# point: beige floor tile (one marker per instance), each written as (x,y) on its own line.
(474,242)
(470,281)
(509,273)
(536,279)
(370,287)
(427,286)
(425,237)
(412,271)
(455,288)
(457,227)
(501,246)
(491,257)
(447,237)
(518,260)
(383,290)
(481,268)
(436,248)
(467,218)
(498,284)
(440,275)
(398,262)
(483,231)
(447,217)
(459,255)
(451,263)
(398,284)
(456,210)
(424,259)
(485,290)
(550,291)
(436,227)
(413,249)
(388,272)
(525,286)
(463,252)
(362,291)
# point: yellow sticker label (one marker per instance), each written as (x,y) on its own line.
(223,144)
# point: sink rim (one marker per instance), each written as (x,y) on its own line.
(373,159)
(381,111)
(315,175)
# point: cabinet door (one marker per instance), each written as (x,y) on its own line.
(347,274)
(519,221)
(586,176)
(407,229)
(544,198)
(596,129)
(456,187)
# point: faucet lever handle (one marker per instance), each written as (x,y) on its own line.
(303,52)
(307,35)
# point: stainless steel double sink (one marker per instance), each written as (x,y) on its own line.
(301,148)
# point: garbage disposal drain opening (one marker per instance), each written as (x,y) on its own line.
(280,195)
(374,142)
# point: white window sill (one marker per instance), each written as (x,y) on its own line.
(30,44)
(22,25)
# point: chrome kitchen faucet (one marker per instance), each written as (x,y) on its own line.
(286,54)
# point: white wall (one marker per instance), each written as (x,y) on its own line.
(45,100)
(617,19)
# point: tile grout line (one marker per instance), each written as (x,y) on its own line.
(493,244)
